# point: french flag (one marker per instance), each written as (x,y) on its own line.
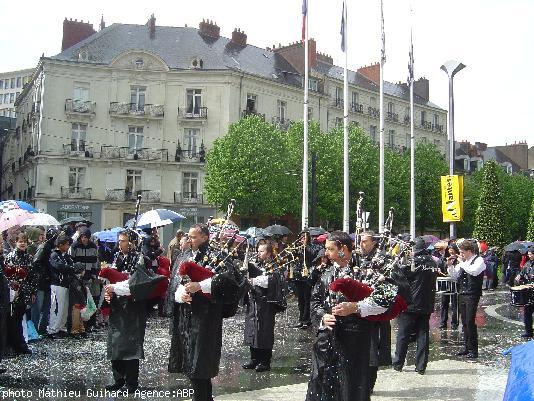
(304,16)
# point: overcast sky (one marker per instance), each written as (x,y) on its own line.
(493,38)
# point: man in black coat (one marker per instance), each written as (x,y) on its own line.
(197,320)
(127,320)
(301,274)
(527,277)
(260,317)
(422,279)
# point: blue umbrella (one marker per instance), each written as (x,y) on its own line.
(158,218)
(16,204)
(108,235)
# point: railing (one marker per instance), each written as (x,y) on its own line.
(437,128)
(125,153)
(392,116)
(193,113)
(76,192)
(337,102)
(80,107)
(356,107)
(246,113)
(426,125)
(134,109)
(190,155)
(189,198)
(281,123)
(77,149)
(373,112)
(123,195)
(407,119)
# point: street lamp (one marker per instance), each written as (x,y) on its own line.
(451,67)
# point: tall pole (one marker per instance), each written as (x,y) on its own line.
(451,67)
(412,138)
(345,132)
(313,217)
(305,157)
(381,161)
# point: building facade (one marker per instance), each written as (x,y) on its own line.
(11,84)
(131,110)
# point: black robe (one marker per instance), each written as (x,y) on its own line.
(127,320)
(196,340)
(260,317)
(340,358)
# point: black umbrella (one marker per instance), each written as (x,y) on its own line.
(316,231)
(76,219)
(514,246)
(277,229)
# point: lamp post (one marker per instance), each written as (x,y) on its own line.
(451,67)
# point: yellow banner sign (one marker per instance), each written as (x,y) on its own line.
(452,198)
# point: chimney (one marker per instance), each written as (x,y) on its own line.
(210,29)
(421,88)
(151,24)
(239,37)
(371,72)
(294,54)
(102,23)
(74,32)
(325,58)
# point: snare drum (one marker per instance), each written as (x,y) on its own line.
(521,295)
(445,285)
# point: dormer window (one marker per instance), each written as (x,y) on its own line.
(139,63)
(197,63)
(83,55)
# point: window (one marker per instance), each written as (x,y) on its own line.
(339,95)
(135,139)
(12,83)
(372,133)
(133,181)
(190,185)
(17,95)
(191,138)
(355,98)
(81,92)
(1,84)
(139,63)
(310,113)
(372,101)
(423,139)
(252,101)
(312,84)
(194,101)
(1,99)
(391,138)
(76,179)
(78,137)
(6,84)
(11,98)
(435,120)
(339,122)
(282,106)
(6,98)
(437,142)
(137,98)
(19,82)
(423,117)
(391,107)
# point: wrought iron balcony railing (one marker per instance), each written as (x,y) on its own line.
(189,198)
(193,113)
(76,192)
(80,107)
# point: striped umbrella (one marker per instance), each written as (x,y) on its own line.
(16,204)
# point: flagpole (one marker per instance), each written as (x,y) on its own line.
(305,140)
(412,141)
(381,173)
(345,131)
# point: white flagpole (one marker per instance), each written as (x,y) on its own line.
(305,158)
(381,174)
(412,137)
(346,132)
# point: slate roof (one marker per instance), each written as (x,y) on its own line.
(177,46)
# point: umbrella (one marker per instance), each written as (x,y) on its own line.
(316,231)
(514,246)
(277,229)
(108,235)
(13,218)
(76,219)
(227,223)
(322,237)
(255,232)
(41,219)
(16,204)
(430,239)
(158,218)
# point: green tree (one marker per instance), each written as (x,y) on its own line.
(472,184)
(247,165)
(490,214)
(518,192)
(530,232)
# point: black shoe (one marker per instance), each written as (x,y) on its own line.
(25,351)
(250,365)
(421,372)
(462,353)
(298,326)
(305,326)
(398,368)
(115,386)
(263,368)
(526,335)
(471,355)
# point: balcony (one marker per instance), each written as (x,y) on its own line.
(281,123)
(193,113)
(125,153)
(426,125)
(189,198)
(124,195)
(407,119)
(77,149)
(190,156)
(247,113)
(148,111)
(76,193)
(394,117)
(437,128)
(356,107)
(337,102)
(373,112)
(80,107)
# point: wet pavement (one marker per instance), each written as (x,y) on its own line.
(80,366)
